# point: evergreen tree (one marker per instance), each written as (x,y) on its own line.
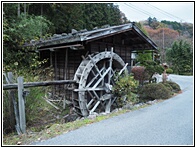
(16,33)
(23,22)
(180,57)
(149,21)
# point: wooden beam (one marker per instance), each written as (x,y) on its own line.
(35,84)
(60,46)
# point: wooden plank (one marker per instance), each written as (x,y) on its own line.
(66,62)
(55,65)
(35,84)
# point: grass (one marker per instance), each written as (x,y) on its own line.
(53,130)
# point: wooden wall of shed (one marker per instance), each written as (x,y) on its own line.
(123,51)
(64,62)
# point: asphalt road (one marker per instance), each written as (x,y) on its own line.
(166,123)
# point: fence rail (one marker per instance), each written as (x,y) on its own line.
(36,84)
(19,110)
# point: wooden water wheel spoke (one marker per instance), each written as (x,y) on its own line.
(110,66)
(89,89)
(93,101)
(103,76)
(95,66)
(94,77)
(90,103)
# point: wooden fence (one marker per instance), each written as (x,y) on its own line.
(19,111)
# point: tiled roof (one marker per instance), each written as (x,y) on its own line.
(96,33)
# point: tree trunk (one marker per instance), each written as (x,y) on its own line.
(25,10)
(41,15)
(18,9)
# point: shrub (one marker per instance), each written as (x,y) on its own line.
(146,71)
(139,74)
(168,86)
(175,87)
(154,91)
(169,71)
(125,88)
(152,67)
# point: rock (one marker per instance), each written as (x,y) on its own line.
(56,35)
(92,116)
(32,41)
(57,117)
(70,117)
(138,105)
(93,113)
(128,106)
(19,143)
(103,113)
(74,31)
(151,102)
(64,34)
(115,110)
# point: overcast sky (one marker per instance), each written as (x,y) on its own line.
(171,11)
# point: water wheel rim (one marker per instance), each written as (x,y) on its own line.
(95,91)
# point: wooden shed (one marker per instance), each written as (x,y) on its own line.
(67,51)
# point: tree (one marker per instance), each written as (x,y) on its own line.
(40,19)
(163,37)
(141,57)
(172,25)
(185,29)
(16,34)
(124,19)
(67,16)
(149,21)
(180,57)
(141,27)
(152,22)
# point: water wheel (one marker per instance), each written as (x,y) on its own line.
(95,78)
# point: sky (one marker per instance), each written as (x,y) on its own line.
(171,11)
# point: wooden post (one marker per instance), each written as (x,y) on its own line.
(66,63)
(51,59)
(65,78)
(55,71)
(21,105)
(55,65)
(11,97)
(13,107)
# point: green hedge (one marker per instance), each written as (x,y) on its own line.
(175,87)
(154,91)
